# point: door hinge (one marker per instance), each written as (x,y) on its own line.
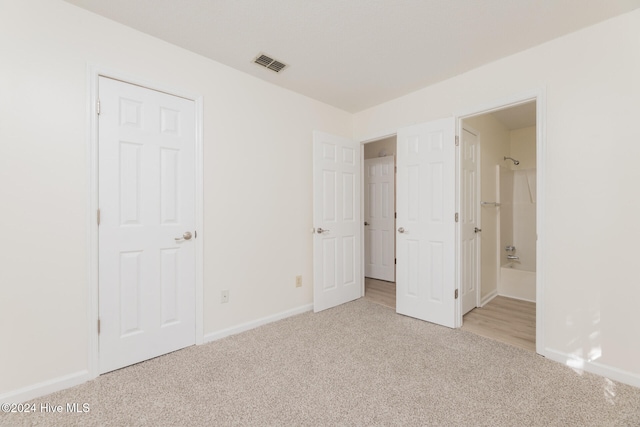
(98,216)
(456,216)
(195,234)
(457,140)
(98,326)
(395,215)
(98,107)
(456,295)
(395,260)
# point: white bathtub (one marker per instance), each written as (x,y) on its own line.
(517,283)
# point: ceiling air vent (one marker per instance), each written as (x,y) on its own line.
(269,63)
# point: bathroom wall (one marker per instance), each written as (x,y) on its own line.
(505,176)
(523,148)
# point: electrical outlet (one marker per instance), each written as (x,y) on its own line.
(298,281)
(224,297)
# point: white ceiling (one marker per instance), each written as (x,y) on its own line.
(518,117)
(354,54)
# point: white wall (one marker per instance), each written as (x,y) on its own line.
(519,197)
(524,217)
(506,212)
(523,147)
(591,205)
(257,166)
(257,148)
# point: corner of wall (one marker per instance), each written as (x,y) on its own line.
(579,364)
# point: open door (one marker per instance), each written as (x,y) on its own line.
(425,239)
(469,220)
(336,220)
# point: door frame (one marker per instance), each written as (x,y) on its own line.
(93,73)
(539,96)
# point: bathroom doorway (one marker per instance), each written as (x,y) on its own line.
(498,164)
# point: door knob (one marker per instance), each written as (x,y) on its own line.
(401,230)
(320,230)
(476,230)
(185,236)
(366,223)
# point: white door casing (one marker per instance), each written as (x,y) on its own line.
(379,217)
(469,221)
(425,239)
(147,201)
(336,220)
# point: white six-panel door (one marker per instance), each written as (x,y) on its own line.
(379,217)
(337,277)
(147,204)
(425,238)
(469,204)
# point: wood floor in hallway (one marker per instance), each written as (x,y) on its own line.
(503,319)
(380,292)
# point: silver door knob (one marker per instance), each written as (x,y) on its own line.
(401,230)
(320,230)
(185,236)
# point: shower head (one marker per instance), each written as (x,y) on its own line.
(515,162)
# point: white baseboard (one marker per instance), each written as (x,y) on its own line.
(594,367)
(491,295)
(56,384)
(255,323)
(515,297)
(45,387)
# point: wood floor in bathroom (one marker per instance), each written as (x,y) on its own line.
(508,320)
(503,319)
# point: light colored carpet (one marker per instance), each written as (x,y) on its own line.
(359,364)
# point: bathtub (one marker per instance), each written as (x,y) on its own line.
(517,283)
